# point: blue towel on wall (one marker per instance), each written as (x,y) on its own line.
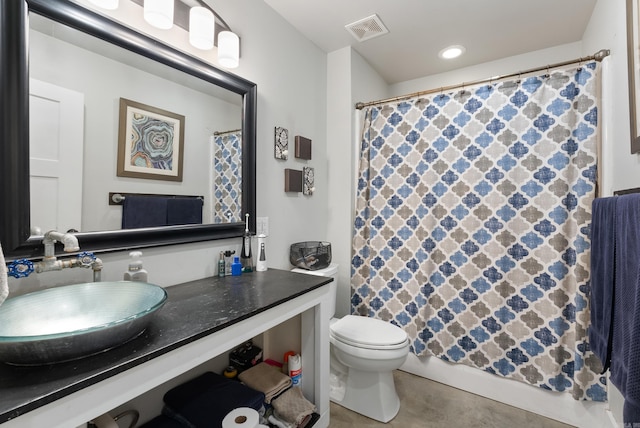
(144,211)
(625,353)
(603,229)
(184,211)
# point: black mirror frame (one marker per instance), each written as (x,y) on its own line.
(15,234)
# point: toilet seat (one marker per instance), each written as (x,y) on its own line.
(368,333)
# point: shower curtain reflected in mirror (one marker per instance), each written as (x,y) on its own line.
(473,212)
(227,177)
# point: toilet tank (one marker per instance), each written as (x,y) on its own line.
(329,271)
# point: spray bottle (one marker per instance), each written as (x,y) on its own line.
(245,256)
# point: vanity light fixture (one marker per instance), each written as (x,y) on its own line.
(206,28)
(159,13)
(201,27)
(228,49)
(106,4)
(451,52)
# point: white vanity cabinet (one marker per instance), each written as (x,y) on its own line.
(201,320)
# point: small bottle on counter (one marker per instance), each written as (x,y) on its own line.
(227,261)
(261,266)
(236,266)
(135,272)
(221,266)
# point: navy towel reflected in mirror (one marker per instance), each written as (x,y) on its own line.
(155,211)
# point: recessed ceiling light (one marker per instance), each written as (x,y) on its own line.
(451,52)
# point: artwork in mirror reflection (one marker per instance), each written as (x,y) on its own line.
(102,74)
(150,142)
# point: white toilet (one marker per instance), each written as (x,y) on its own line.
(364,353)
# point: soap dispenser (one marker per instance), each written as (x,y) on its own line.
(135,272)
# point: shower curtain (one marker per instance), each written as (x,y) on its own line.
(227,181)
(472,226)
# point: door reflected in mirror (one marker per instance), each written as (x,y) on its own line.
(76,82)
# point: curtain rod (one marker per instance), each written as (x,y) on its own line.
(598,56)
(218,133)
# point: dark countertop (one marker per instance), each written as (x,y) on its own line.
(193,310)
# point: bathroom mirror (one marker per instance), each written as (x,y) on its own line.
(233,93)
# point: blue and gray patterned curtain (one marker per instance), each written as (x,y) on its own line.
(472,226)
(227,187)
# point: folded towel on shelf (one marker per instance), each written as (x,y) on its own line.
(292,407)
(266,379)
(163,421)
(274,420)
(184,211)
(204,401)
(625,348)
(603,240)
(144,211)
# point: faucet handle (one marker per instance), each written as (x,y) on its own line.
(86,258)
(20,268)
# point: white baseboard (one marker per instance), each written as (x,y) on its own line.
(555,405)
(612,420)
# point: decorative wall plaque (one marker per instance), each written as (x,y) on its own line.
(281,143)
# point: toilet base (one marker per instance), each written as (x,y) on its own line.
(372,394)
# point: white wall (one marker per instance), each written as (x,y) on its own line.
(607,29)
(499,67)
(342,94)
(620,169)
(290,73)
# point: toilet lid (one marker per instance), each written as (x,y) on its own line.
(368,332)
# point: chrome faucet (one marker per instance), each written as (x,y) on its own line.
(24,267)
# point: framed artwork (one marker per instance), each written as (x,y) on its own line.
(308,185)
(292,180)
(150,142)
(281,143)
(633,60)
(303,147)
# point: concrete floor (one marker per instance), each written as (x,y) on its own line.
(429,404)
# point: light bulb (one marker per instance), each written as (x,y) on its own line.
(451,52)
(106,4)
(201,27)
(228,49)
(159,13)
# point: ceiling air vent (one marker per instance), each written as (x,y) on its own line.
(367,28)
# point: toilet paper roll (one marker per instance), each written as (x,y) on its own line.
(105,421)
(242,417)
